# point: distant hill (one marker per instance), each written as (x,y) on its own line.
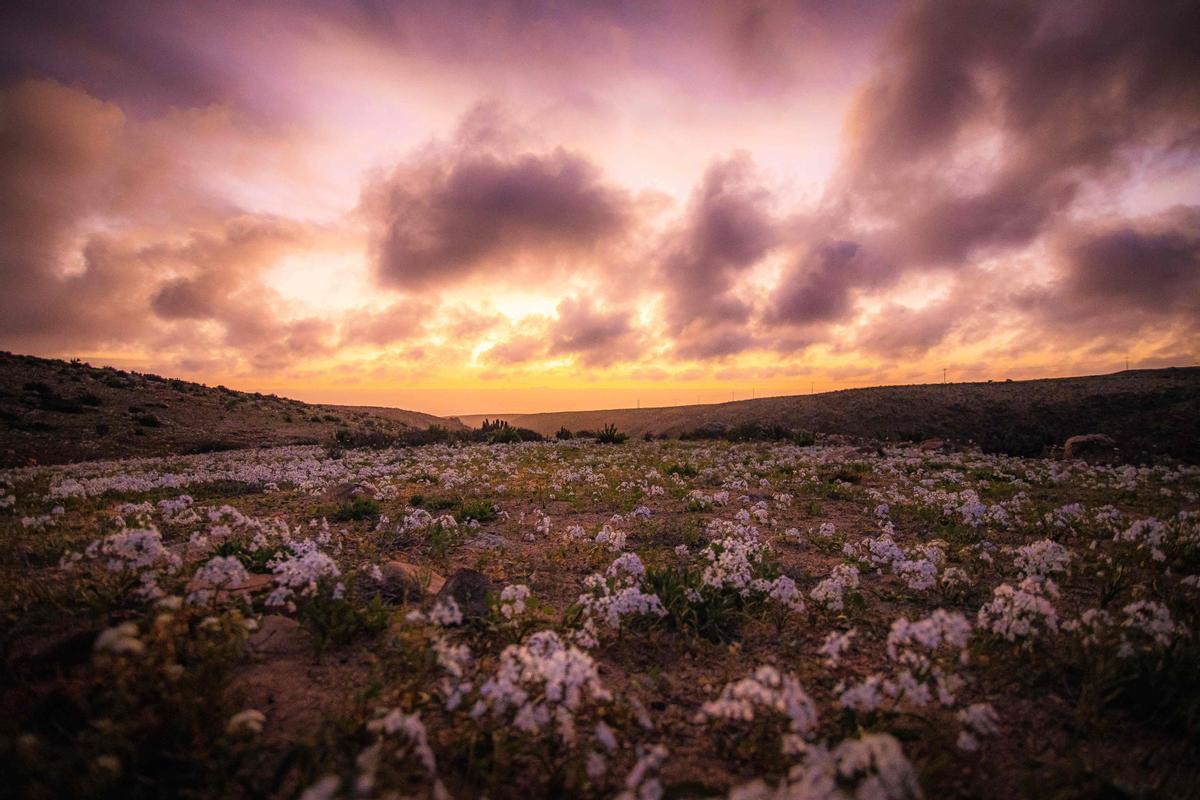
(476,420)
(1149,412)
(56,411)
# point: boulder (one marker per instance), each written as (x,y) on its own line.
(470,589)
(278,635)
(1096,448)
(403,581)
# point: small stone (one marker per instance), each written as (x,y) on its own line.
(487,541)
(403,581)
(344,493)
(470,589)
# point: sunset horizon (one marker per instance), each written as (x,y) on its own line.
(536,399)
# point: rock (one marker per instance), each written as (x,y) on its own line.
(255,582)
(1096,448)
(487,541)
(470,589)
(403,581)
(278,635)
(348,492)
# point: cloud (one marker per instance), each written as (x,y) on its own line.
(478,204)
(122,51)
(1150,264)
(1122,276)
(715,343)
(728,227)
(57,146)
(401,320)
(987,120)
(157,179)
(591,336)
(816,288)
(896,331)
(598,338)
(981,134)
(519,349)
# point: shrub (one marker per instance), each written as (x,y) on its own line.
(432,504)
(504,435)
(695,609)
(610,435)
(564,434)
(355,510)
(362,438)
(478,510)
(434,434)
(336,621)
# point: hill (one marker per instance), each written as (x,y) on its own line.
(475,420)
(1150,413)
(56,411)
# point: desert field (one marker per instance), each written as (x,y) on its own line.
(652,400)
(570,618)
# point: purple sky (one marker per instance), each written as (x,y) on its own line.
(463,207)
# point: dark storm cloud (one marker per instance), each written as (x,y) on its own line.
(471,205)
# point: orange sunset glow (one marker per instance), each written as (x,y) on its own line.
(515,207)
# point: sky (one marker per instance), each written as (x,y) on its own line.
(532,206)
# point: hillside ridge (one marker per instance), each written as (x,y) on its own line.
(54,411)
(1150,412)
